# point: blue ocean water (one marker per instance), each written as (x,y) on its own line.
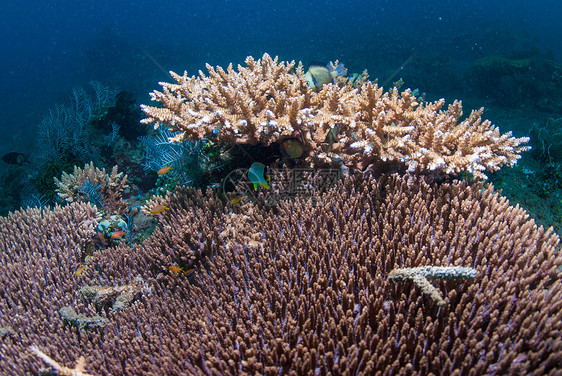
(50,47)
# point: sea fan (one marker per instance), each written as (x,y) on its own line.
(63,130)
(91,193)
(187,158)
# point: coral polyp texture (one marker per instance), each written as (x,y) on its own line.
(299,289)
(268,101)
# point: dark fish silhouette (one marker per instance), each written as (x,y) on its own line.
(14,158)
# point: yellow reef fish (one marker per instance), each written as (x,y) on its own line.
(164,170)
(238,199)
(159,209)
(80,270)
(176,269)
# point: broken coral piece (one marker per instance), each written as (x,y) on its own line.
(78,370)
(83,322)
(118,298)
(420,275)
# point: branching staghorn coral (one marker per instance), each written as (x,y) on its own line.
(93,185)
(268,101)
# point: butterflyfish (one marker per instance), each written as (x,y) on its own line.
(318,75)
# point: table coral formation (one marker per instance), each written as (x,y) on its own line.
(299,289)
(268,101)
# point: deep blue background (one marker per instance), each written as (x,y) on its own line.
(49,47)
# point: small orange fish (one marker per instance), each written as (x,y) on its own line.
(177,269)
(158,209)
(117,234)
(80,270)
(164,170)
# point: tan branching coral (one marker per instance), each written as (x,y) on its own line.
(268,101)
(93,185)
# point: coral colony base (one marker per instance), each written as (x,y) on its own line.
(405,273)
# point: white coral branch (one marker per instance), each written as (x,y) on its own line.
(78,370)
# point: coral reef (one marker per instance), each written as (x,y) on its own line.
(269,101)
(301,288)
(304,286)
(94,127)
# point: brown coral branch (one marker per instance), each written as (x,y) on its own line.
(298,289)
